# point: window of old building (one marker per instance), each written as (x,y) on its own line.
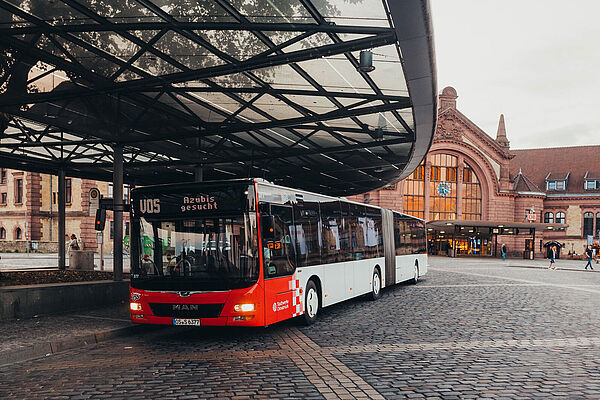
(588,224)
(443,194)
(560,217)
(598,224)
(3,198)
(18,191)
(442,199)
(471,195)
(18,234)
(3,178)
(2,233)
(559,184)
(592,184)
(414,193)
(68,191)
(548,218)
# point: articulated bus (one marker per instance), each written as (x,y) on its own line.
(250,253)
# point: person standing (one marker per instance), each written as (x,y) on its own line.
(67,250)
(590,255)
(503,252)
(74,243)
(552,257)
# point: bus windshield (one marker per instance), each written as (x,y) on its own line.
(199,254)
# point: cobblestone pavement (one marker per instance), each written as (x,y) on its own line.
(472,328)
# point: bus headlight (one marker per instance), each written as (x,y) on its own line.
(135,306)
(243,307)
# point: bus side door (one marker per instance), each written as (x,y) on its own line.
(279,257)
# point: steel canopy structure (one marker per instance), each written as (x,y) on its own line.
(229,87)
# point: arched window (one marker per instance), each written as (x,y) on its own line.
(598,224)
(548,218)
(2,233)
(442,181)
(18,234)
(471,201)
(588,224)
(560,217)
(442,189)
(414,193)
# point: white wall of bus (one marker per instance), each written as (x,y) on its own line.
(357,274)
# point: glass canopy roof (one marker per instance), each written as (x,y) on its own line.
(240,88)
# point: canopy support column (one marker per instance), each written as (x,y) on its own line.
(118,212)
(61,220)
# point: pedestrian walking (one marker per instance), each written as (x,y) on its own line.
(503,251)
(552,257)
(589,255)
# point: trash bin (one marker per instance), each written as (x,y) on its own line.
(81,260)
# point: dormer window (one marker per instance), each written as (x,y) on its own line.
(556,185)
(592,184)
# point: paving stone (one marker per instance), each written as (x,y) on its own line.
(471,328)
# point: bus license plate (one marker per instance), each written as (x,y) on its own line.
(186,321)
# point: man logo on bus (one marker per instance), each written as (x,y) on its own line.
(149,206)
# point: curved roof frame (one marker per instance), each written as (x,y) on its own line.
(127,81)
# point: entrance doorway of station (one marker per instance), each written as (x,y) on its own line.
(461,245)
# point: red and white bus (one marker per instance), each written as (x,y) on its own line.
(250,253)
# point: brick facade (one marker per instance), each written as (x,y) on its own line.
(40,209)
(498,169)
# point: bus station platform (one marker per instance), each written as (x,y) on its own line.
(30,338)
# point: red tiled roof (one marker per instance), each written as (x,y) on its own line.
(536,164)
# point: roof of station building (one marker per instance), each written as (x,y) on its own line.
(574,164)
(241,88)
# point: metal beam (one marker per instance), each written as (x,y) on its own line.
(197,26)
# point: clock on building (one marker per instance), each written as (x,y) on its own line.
(443,189)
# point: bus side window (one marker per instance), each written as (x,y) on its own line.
(331,220)
(279,248)
(307,223)
(357,232)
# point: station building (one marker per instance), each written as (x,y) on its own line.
(29,212)
(476,193)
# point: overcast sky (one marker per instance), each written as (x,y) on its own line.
(535,61)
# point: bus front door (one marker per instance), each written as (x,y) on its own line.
(279,257)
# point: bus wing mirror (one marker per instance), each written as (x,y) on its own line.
(100,219)
(267,224)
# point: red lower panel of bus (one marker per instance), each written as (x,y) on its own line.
(239,307)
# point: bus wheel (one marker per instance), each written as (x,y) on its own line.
(311,303)
(376,286)
(415,278)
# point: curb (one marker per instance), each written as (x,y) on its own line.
(46,349)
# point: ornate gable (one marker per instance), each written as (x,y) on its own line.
(449,127)
(453,125)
